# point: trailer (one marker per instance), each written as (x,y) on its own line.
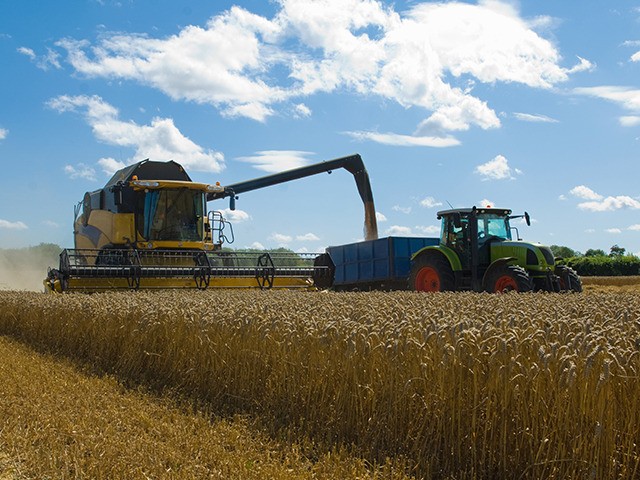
(380,264)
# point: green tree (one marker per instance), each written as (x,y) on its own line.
(595,252)
(617,251)
(564,252)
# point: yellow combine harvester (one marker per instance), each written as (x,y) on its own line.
(149,227)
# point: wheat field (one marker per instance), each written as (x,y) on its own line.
(455,385)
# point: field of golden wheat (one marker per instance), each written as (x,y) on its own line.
(457,385)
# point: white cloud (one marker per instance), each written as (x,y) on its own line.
(535,118)
(496,169)
(583,65)
(301,110)
(43,62)
(199,64)
(50,224)
(582,191)
(281,238)
(3,133)
(599,203)
(7,225)
(431,230)
(425,56)
(274,161)
(307,237)
(611,203)
(235,216)
(257,246)
(635,57)
(380,217)
(628,98)
(635,227)
(398,208)
(80,171)
(429,202)
(614,231)
(111,165)
(160,141)
(399,231)
(399,140)
(485,202)
(629,120)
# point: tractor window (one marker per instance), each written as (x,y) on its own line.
(172,215)
(493,225)
(452,236)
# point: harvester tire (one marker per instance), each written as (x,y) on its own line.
(509,278)
(431,273)
(569,279)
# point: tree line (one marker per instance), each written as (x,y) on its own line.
(597,262)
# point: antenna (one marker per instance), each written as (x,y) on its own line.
(448,203)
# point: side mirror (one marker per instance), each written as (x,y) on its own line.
(527,218)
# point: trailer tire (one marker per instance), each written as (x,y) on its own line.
(431,273)
(323,271)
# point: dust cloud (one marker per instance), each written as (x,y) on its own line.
(26,268)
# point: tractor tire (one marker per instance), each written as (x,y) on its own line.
(508,278)
(431,273)
(569,279)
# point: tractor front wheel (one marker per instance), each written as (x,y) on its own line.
(431,273)
(508,278)
(569,279)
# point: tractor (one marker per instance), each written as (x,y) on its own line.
(476,252)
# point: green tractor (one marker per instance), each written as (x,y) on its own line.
(476,252)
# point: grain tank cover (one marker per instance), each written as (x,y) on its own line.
(150,170)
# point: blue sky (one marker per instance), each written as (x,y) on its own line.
(531,105)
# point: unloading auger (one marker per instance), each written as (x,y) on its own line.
(149,227)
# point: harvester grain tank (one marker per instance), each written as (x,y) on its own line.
(149,227)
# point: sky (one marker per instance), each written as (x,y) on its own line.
(528,105)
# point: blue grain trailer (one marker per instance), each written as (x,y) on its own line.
(381,264)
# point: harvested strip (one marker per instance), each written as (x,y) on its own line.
(58,422)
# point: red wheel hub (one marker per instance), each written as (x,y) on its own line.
(428,280)
(506,283)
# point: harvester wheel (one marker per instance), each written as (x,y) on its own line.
(569,279)
(508,278)
(431,273)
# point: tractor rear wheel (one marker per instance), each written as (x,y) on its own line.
(569,279)
(431,273)
(508,278)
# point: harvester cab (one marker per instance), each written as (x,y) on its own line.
(477,252)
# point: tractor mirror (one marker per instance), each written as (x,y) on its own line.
(232,202)
(527,218)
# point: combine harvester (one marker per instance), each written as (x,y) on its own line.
(149,227)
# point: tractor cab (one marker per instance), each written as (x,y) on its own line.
(470,231)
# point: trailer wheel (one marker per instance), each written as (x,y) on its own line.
(509,278)
(569,279)
(431,273)
(323,271)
